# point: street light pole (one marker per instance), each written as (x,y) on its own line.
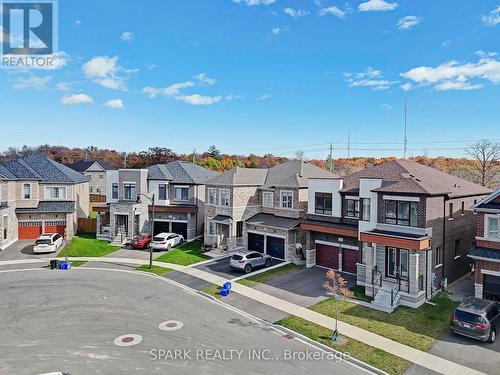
(152,200)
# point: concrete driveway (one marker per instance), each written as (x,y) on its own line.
(220,267)
(23,249)
(303,287)
(88,321)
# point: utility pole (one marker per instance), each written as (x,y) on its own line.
(194,156)
(125,160)
(405,146)
(330,159)
(348,143)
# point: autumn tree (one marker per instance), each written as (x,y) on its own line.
(213,152)
(335,285)
(485,154)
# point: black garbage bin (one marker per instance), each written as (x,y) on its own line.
(54,264)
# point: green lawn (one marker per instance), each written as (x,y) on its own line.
(268,275)
(77,263)
(213,290)
(418,328)
(366,353)
(86,245)
(157,270)
(359,293)
(184,255)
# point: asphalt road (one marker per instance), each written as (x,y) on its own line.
(68,321)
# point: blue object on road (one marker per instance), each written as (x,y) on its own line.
(227,285)
(64,265)
(224,292)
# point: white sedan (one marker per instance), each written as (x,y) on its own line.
(165,241)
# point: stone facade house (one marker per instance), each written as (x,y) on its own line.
(401,227)
(39,195)
(178,191)
(96,171)
(260,209)
(485,251)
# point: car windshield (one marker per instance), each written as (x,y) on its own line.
(43,241)
(158,239)
(237,257)
(468,317)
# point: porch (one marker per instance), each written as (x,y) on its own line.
(224,234)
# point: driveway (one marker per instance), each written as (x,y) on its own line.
(23,249)
(220,267)
(128,252)
(303,287)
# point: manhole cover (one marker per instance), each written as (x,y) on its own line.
(128,340)
(171,325)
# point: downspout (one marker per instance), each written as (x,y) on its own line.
(445,199)
(426,272)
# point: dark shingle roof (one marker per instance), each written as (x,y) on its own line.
(50,206)
(489,202)
(240,176)
(82,165)
(273,221)
(406,176)
(484,252)
(181,172)
(41,168)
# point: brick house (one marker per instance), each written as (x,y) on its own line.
(401,227)
(486,250)
(96,171)
(260,209)
(39,195)
(179,192)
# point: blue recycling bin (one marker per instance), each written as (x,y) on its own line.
(227,285)
(224,292)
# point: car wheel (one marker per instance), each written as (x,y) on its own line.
(493,336)
(268,262)
(169,247)
(248,268)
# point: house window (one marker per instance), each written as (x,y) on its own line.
(352,208)
(162,192)
(493,227)
(129,191)
(90,189)
(286,199)
(114,191)
(365,209)
(101,177)
(55,193)
(267,199)
(391,262)
(457,248)
(450,210)
(323,203)
(98,191)
(401,213)
(404,259)
(463,208)
(225,197)
(182,193)
(438,255)
(27,191)
(211,228)
(212,196)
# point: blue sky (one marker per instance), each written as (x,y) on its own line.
(263,76)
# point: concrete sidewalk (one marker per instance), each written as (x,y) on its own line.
(424,359)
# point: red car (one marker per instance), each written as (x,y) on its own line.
(141,241)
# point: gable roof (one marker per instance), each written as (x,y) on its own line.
(292,173)
(82,165)
(489,202)
(181,172)
(407,176)
(40,168)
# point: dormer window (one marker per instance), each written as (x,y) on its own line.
(286,199)
(27,191)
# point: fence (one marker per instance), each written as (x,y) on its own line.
(87,225)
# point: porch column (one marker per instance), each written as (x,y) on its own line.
(98,224)
(413,272)
(368,256)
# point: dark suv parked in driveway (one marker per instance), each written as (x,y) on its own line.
(476,318)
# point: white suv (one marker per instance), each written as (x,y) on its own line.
(48,243)
(165,241)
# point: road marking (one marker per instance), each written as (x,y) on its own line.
(130,339)
(171,325)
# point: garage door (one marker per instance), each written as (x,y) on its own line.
(349,259)
(29,230)
(256,242)
(491,287)
(55,227)
(327,256)
(180,228)
(161,227)
(276,247)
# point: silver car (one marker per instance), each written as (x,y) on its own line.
(248,260)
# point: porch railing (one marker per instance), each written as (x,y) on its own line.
(395,290)
(376,280)
(421,282)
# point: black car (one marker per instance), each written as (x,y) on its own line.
(476,318)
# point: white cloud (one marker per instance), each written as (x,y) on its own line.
(197,99)
(481,53)
(264,97)
(114,104)
(387,106)
(104,71)
(295,12)
(205,80)
(332,10)
(493,17)
(76,99)
(371,78)
(276,30)
(78,22)
(32,82)
(408,22)
(406,86)
(127,36)
(62,86)
(376,6)
(455,76)
(254,2)
(167,91)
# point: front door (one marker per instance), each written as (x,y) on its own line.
(122,224)
(391,258)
